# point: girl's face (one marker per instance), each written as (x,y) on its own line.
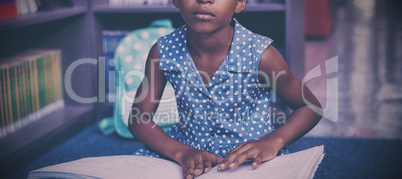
(207,16)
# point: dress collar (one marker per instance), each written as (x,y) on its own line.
(235,61)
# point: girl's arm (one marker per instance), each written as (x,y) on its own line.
(143,128)
(145,103)
(289,88)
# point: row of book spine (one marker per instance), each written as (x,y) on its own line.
(31,88)
(11,8)
(110,41)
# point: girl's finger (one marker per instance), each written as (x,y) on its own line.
(189,169)
(232,156)
(189,173)
(241,158)
(257,161)
(184,168)
(199,167)
(184,171)
(198,164)
(207,163)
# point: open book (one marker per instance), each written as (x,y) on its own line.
(301,164)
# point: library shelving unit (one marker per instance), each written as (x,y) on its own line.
(64,29)
(77,31)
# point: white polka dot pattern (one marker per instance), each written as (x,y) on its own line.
(129,62)
(232,108)
(133,51)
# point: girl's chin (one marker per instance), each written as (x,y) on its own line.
(205,29)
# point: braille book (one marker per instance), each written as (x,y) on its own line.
(302,164)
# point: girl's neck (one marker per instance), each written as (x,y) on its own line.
(210,44)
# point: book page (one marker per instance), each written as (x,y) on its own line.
(124,166)
(294,165)
(301,164)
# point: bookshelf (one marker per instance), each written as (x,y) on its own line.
(65,29)
(39,17)
(77,31)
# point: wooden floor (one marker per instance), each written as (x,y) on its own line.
(367,39)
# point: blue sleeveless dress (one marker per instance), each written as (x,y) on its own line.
(231,109)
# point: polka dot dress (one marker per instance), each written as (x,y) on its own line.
(231,109)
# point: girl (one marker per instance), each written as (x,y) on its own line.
(220,72)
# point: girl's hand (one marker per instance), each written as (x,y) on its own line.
(196,162)
(258,150)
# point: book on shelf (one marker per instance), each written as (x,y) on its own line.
(32,6)
(26,6)
(8,8)
(110,40)
(30,85)
(302,164)
(22,7)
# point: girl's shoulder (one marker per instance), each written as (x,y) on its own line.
(176,37)
(173,43)
(249,45)
(244,40)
